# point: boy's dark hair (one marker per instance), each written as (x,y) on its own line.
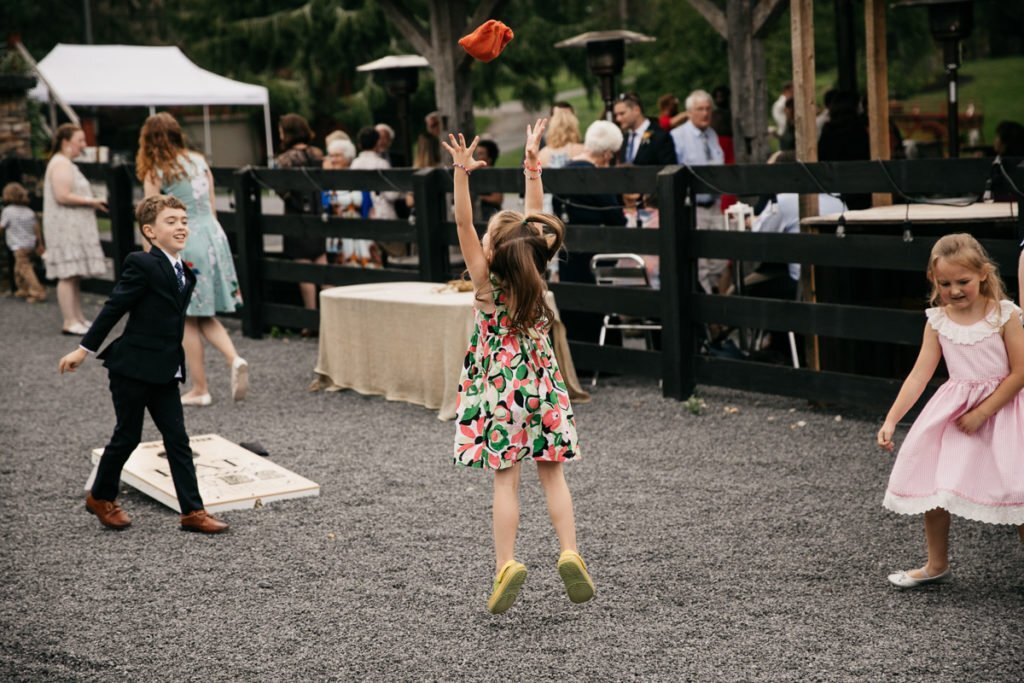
(294,131)
(367,138)
(15,193)
(492,149)
(150,207)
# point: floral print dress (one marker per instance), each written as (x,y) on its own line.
(207,250)
(513,402)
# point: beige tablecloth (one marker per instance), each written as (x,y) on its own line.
(406,341)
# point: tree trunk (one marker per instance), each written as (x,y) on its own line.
(453,88)
(747,82)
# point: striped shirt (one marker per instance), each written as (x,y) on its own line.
(19,224)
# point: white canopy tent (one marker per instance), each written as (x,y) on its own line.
(142,76)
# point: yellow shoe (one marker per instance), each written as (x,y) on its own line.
(506,586)
(573,571)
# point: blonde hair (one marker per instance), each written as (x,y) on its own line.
(520,248)
(963,250)
(15,193)
(160,143)
(563,129)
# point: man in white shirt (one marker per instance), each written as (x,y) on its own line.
(779,109)
(696,144)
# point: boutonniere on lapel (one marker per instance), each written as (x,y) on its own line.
(190,267)
(646,138)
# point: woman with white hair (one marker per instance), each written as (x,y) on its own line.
(347,204)
(600,145)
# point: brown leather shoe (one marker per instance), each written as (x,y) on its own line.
(203,522)
(108,512)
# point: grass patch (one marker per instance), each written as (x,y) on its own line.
(994,86)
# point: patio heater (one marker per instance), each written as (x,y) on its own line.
(606,55)
(950,22)
(399,74)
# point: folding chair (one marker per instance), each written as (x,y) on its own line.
(622,270)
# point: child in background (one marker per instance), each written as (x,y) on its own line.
(964,454)
(513,403)
(24,239)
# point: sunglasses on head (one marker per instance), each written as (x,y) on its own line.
(631,97)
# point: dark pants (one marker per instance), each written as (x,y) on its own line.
(132,398)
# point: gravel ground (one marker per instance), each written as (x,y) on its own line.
(747,543)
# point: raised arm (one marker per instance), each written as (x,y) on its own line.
(913,385)
(463,164)
(534,188)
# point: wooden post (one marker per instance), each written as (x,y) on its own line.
(122,214)
(678,340)
(802,33)
(428,190)
(878,87)
(249,233)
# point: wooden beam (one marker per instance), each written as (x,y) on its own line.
(411,29)
(764,12)
(878,87)
(801,21)
(714,15)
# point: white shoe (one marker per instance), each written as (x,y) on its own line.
(239,378)
(200,400)
(905,580)
(76,330)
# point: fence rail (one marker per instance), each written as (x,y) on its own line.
(683,309)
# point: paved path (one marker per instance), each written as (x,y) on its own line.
(739,545)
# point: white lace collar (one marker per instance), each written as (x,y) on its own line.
(971,334)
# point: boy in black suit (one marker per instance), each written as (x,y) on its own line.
(147,363)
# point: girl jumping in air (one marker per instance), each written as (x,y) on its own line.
(965,452)
(513,403)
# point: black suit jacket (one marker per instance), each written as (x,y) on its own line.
(656,150)
(150,348)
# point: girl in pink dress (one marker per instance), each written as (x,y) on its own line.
(965,452)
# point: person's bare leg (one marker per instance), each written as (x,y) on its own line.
(67,288)
(552,478)
(936,532)
(193,345)
(77,293)
(505,513)
(215,333)
(307,289)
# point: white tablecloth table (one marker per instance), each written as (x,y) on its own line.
(406,341)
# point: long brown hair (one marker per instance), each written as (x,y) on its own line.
(160,143)
(963,250)
(294,130)
(65,131)
(521,247)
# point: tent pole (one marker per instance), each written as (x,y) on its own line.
(270,139)
(152,110)
(207,140)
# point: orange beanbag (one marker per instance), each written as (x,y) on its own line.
(488,41)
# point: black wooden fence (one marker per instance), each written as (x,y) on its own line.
(682,307)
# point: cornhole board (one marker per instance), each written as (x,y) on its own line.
(230,477)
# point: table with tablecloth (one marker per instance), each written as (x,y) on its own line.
(406,341)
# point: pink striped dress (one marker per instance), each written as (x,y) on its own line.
(978,476)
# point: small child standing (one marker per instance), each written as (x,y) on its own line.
(146,363)
(24,238)
(513,402)
(965,452)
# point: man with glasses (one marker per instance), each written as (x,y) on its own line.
(696,144)
(645,143)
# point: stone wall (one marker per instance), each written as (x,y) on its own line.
(15,129)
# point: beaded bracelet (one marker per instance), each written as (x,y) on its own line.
(465,170)
(526,167)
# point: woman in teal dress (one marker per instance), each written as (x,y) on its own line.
(166,166)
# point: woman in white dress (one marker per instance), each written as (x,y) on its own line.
(70,232)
